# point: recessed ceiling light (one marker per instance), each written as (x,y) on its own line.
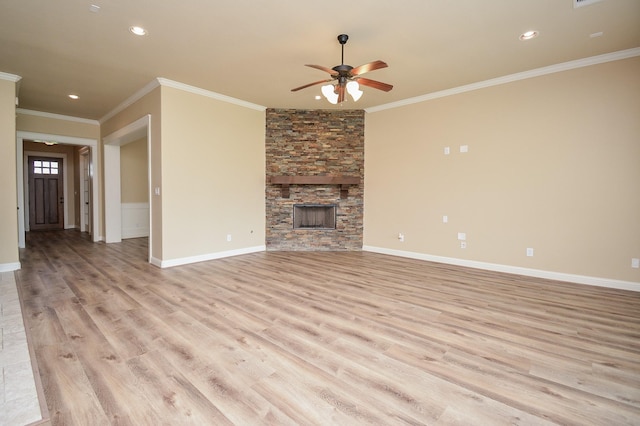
(74,96)
(94,8)
(528,35)
(138,30)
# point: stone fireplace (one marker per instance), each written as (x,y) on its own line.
(314,158)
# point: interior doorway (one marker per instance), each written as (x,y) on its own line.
(140,128)
(23,200)
(46,193)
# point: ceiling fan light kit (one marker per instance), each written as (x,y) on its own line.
(345,78)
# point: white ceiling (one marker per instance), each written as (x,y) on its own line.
(255,50)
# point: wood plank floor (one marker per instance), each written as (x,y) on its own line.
(320,338)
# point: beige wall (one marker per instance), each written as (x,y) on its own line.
(57,126)
(134,187)
(8,198)
(213,175)
(553,164)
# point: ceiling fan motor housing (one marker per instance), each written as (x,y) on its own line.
(343,69)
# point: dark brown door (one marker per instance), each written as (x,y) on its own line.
(46,197)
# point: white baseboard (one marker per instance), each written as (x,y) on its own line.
(559,276)
(205,257)
(9,267)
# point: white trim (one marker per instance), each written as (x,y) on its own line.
(9,267)
(112,198)
(82,163)
(209,94)
(65,192)
(558,276)
(565,66)
(57,116)
(180,86)
(131,100)
(112,142)
(205,257)
(10,77)
(70,140)
(129,133)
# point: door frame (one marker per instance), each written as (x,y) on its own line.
(84,160)
(112,197)
(65,193)
(94,171)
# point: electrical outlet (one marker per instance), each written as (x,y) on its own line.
(529,252)
(447,150)
(445,219)
(401,237)
(635,263)
(228,237)
(463,244)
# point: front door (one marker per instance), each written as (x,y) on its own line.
(46,196)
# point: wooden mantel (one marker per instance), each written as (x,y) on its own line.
(343,181)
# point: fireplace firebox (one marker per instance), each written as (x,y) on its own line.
(314,216)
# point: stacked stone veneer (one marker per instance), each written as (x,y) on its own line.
(314,143)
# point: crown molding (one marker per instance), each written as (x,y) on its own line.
(57,116)
(157,82)
(210,94)
(131,100)
(10,77)
(564,66)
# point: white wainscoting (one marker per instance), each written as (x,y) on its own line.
(135,220)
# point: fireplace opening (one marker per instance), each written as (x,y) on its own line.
(314,216)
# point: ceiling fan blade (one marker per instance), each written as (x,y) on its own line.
(321,68)
(375,84)
(311,84)
(371,66)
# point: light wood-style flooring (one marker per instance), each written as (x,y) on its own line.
(322,338)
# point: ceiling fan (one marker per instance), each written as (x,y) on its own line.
(347,78)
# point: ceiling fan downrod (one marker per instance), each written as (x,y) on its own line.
(343,69)
(342,39)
